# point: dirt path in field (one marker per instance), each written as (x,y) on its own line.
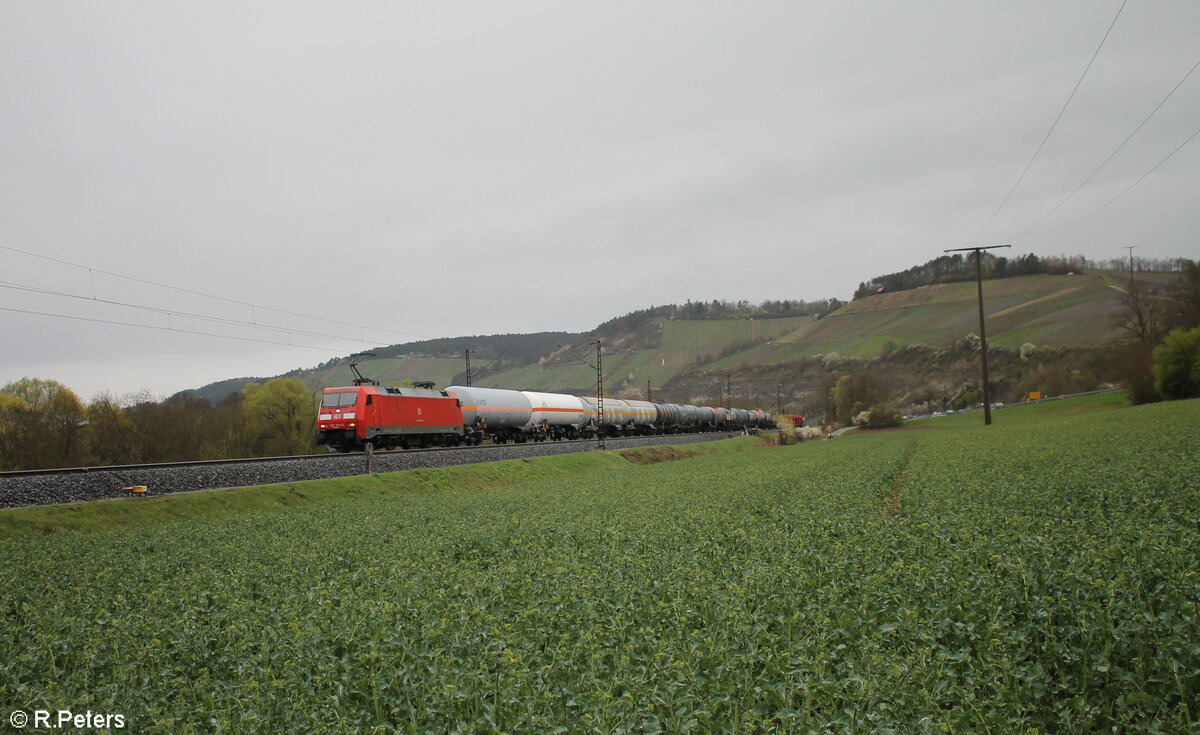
(893,496)
(1047,297)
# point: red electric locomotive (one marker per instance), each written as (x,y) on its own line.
(797,419)
(350,417)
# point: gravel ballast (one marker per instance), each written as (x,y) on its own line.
(99,483)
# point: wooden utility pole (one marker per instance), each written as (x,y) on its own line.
(1130,249)
(987,390)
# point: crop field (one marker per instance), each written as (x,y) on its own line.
(1041,575)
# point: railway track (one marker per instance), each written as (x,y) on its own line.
(45,487)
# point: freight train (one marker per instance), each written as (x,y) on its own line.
(352,417)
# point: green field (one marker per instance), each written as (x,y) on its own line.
(1039,575)
(1043,309)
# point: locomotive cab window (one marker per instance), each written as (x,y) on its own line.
(345,398)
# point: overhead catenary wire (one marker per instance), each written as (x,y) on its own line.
(176,312)
(215,297)
(1053,125)
(169,328)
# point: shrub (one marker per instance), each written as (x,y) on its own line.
(1177,365)
(787,430)
(792,434)
(966,396)
(804,433)
(883,415)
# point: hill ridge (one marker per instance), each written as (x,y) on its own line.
(687,353)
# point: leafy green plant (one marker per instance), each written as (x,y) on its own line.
(883,584)
(1177,365)
(883,416)
(786,428)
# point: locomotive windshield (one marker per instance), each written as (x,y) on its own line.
(344,398)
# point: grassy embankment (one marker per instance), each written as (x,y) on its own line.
(157,509)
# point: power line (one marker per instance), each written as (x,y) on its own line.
(190,315)
(215,297)
(1110,155)
(1052,125)
(1123,191)
(169,328)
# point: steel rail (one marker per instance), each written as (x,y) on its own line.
(118,468)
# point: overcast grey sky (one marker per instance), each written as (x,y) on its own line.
(416,170)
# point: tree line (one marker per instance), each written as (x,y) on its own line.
(957,267)
(44,424)
(770,309)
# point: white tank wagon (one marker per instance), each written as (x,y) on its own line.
(644,417)
(617,415)
(555,415)
(501,415)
